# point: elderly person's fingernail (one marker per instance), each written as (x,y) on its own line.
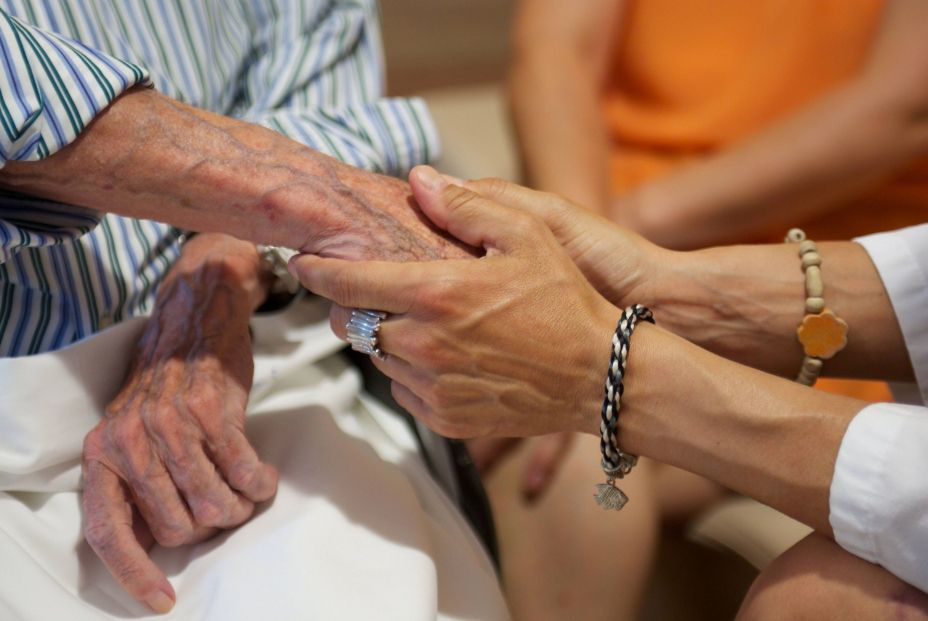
(429,178)
(160,602)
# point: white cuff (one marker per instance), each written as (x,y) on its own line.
(901,258)
(879,492)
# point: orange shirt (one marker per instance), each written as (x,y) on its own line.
(693,76)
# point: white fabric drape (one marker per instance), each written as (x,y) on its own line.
(358,529)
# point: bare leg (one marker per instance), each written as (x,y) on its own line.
(681,495)
(563,556)
(817,579)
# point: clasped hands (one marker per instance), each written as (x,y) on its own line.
(511,344)
(515,343)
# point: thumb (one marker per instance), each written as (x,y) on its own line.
(113,530)
(427,186)
(545,205)
(470,217)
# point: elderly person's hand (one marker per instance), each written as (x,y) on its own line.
(514,343)
(170,460)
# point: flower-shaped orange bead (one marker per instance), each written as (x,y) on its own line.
(822,335)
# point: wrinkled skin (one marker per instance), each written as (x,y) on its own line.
(170,461)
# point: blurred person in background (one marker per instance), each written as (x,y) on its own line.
(699,123)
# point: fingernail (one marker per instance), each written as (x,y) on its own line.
(430,178)
(160,602)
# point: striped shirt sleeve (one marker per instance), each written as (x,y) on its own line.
(318,78)
(51,87)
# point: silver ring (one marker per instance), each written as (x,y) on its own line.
(362,331)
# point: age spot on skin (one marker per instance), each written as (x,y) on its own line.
(269,209)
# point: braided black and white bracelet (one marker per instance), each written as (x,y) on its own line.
(615,463)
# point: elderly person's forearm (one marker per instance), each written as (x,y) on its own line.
(149,156)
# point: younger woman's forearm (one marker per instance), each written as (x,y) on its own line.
(760,435)
(745,303)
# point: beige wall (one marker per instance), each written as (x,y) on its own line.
(436,43)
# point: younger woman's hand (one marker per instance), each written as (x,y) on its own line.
(515,343)
(619,263)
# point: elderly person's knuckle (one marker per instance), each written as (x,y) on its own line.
(243,476)
(207,512)
(172,534)
(99,534)
(203,404)
(128,573)
(125,434)
(189,467)
(248,509)
(94,446)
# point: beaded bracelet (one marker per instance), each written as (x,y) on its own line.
(822,334)
(616,463)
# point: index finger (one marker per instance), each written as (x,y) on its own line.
(108,530)
(380,285)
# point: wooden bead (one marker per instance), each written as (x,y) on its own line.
(815,287)
(811,369)
(807,246)
(795,235)
(811,259)
(812,365)
(814,306)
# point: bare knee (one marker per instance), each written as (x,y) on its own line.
(817,579)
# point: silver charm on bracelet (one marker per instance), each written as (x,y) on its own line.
(362,329)
(607,495)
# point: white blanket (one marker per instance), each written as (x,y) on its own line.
(358,529)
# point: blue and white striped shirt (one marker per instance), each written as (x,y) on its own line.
(310,69)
